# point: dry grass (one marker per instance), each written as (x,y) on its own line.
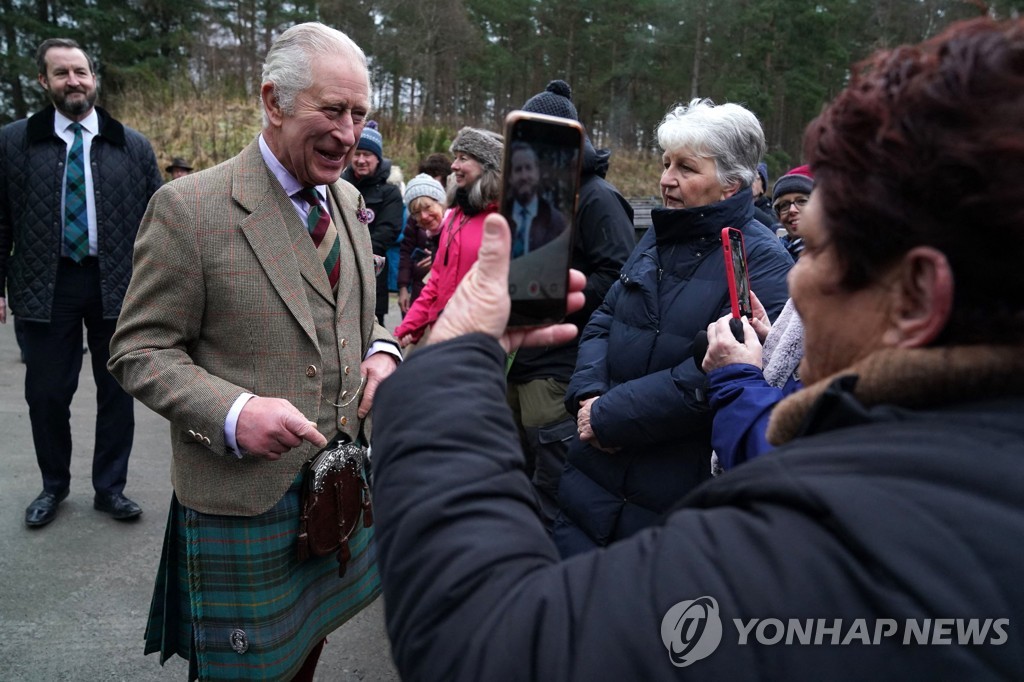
(210,129)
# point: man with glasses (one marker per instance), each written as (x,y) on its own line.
(789,197)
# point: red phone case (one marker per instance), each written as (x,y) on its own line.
(739,283)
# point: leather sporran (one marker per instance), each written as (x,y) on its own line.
(334,495)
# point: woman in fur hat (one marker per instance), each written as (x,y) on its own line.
(473,192)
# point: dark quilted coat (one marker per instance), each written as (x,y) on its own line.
(125,175)
(636,353)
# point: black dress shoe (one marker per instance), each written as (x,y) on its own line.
(117,505)
(43,509)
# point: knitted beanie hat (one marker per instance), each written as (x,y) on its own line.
(762,170)
(482,145)
(797,179)
(371,140)
(556,100)
(424,186)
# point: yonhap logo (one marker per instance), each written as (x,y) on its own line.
(691,630)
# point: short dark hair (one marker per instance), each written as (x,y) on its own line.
(926,147)
(436,165)
(50,43)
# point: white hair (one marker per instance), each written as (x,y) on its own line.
(289,63)
(727,133)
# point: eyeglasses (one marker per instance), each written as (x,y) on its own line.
(784,207)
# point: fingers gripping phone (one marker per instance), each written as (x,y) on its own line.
(737,278)
(540,183)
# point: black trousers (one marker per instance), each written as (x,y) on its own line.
(53,362)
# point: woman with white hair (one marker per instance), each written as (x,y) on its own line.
(644,428)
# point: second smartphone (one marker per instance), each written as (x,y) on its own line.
(540,182)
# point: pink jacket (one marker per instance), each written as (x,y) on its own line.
(456,253)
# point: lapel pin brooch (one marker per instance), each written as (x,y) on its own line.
(365,215)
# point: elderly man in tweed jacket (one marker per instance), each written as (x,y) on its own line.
(257,342)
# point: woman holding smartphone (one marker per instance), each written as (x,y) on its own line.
(425,198)
(644,428)
(472,196)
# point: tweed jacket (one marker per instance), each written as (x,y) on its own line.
(222,302)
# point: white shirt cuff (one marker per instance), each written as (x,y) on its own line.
(231,423)
(384,347)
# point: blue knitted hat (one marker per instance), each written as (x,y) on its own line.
(762,170)
(371,140)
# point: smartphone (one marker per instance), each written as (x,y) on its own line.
(737,278)
(418,254)
(540,182)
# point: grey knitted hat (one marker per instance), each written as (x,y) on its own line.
(424,186)
(556,100)
(482,145)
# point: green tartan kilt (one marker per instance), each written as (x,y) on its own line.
(232,598)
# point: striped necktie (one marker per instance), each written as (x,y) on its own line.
(324,233)
(76,219)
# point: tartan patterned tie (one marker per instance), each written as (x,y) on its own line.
(76,220)
(324,233)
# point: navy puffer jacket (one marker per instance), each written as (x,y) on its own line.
(636,354)
(124,174)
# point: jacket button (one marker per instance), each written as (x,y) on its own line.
(343,421)
(199,438)
(206,440)
(347,369)
(344,342)
(344,394)
(311,371)
(239,641)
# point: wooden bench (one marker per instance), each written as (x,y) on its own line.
(642,213)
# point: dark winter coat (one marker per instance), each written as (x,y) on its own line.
(764,213)
(636,354)
(125,175)
(603,238)
(878,512)
(385,200)
(409,275)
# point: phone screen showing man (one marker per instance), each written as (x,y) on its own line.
(540,183)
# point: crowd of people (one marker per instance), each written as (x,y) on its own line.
(602,498)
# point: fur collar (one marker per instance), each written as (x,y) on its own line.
(914,378)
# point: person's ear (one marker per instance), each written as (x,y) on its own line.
(271,105)
(730,189)
(923,294)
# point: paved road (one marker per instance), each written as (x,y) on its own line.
(74,595)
